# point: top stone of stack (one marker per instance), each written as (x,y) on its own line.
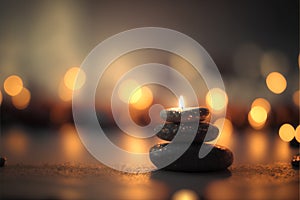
(192,114)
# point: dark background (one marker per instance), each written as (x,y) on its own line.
(40,40)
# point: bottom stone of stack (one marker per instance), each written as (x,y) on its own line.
(219,158)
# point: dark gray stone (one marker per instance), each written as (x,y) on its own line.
(219,158)
(187,115)
(169,130)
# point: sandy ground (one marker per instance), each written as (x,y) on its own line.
(37,169)
(82,181)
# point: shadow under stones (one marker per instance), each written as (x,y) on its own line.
(185,180)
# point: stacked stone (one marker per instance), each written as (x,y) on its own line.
(182,125)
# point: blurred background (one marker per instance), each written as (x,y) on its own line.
(43,43)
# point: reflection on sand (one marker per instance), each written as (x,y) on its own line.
(196,182)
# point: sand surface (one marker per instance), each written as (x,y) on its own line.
(95,181)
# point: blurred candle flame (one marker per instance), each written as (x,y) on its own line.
(74,78)
(22,99)
(13,85)
(276,82)
(141,98)
(216,99)
(64,93)
(286,132)
(127,89)
(262,103)
(185,194)
(257,117)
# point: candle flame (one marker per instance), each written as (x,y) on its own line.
(181,102)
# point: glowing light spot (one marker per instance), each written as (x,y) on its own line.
(1,98)
(74,78)
(145,98)
(185,194)
(225,131)
(276,82)
(297,133)
(262,103)
(129,89)
(16,142)
(72,146)
(64,93)
(21,100)
(135,97)
(132,144)
(296,98)
(286,132)
(216,99)
(257,146)
(281,150)
(257,117)
(258,114)
(181,102)
(13,85)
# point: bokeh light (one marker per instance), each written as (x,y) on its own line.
(216,99)
(21,100)
(297,133)
(258,114)
(282,150)
(257,117)
(126,90)
(225,131)
(1,98)
(72,146)
(276,82)
(262,103)
(286,132)
(136,95)
(296,98)
(185,194)
(64,93)
(133,144)
(142,98)
(13,85)
(74,78)
(257,146)
(16,141)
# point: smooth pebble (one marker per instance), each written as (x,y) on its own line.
(219,158)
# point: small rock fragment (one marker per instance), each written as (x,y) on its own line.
(2,161)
